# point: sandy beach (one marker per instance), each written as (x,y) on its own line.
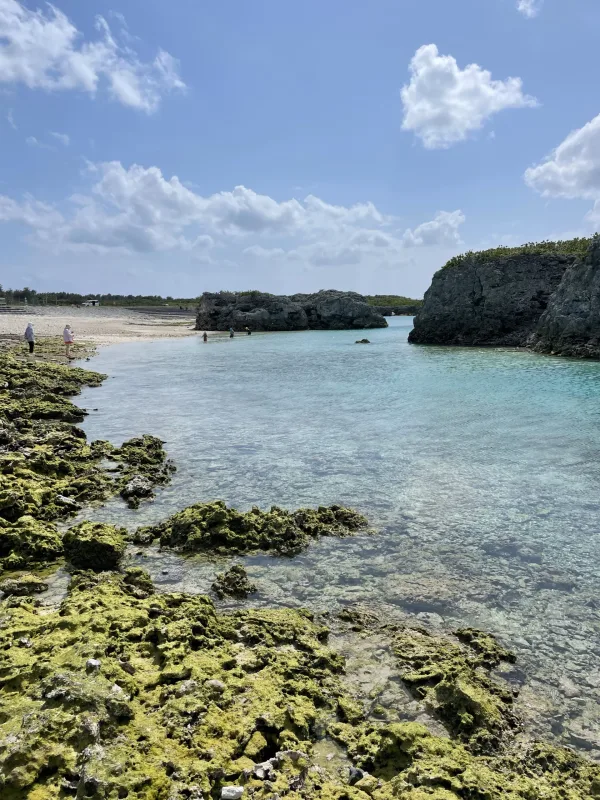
(100,326)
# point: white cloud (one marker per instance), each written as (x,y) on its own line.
(33,142)
(529,8)
(44,50)
(443,104)
(11,119)
(63,138)
(443,230)
(139,210)
(572,170)
(592,218)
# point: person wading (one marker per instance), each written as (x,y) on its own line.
(231,333)
(68,339)
(30,337)
(205,336)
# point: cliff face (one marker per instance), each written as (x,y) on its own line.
(489,301)
(325,310)
(570,326)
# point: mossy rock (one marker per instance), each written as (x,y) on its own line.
(215,527)
(28,542)
(116,695)
(23,585)
(94,545)
(233,583)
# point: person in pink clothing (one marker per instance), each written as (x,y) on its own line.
(68,339)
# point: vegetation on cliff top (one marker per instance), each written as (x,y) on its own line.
(575,247)
(391,300)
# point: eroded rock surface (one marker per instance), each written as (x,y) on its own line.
(325,310)
(217,528)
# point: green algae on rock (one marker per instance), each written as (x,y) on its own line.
(456,684)
(216,528)
(233,583)
(48,470)
(94,545)
(158,697)
(22,585)
(28,542)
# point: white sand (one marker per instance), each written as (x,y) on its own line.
(102,325)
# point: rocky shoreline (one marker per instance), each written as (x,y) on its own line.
(542,296)
(125,692)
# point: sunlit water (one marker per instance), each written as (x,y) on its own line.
(478,468)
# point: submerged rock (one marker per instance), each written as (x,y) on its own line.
(94,545)
(233,583)
(362,341)
(214,527)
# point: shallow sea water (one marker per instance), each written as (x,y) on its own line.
(478,468)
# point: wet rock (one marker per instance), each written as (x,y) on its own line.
(93,664)
(215,686)
(232,792)
(136,489)
(138,581)
(29,542)
(362,341)
(355,775)
(215,527)
(94,545)
(23,585)
(233,583)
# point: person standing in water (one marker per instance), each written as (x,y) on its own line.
(205,336)
(30,337)
(68,339)
(231,333)
(248,331)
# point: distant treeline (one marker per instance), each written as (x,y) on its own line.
(72,298)
(391,300)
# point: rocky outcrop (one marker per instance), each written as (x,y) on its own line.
(483,300)
(570,326)
(333,310)
(258,311)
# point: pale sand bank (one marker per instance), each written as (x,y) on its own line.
(102,326)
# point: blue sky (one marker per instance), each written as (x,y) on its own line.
(369,141)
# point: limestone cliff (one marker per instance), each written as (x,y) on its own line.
(570,326)
(496,297)
(325,310)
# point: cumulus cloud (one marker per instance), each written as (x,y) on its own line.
(44,50)
(443,104)
(572,170)
(137,209)
(440,231)
(529,8)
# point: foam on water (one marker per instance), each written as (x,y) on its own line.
(479,468)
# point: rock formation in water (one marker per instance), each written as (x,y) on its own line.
(540,295)
(570,326)
(325,310)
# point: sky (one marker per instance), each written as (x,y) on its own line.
(175,148)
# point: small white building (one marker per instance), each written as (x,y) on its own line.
(91,303)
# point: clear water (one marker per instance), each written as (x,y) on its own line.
(479,468)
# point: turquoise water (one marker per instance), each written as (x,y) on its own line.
(479,469)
